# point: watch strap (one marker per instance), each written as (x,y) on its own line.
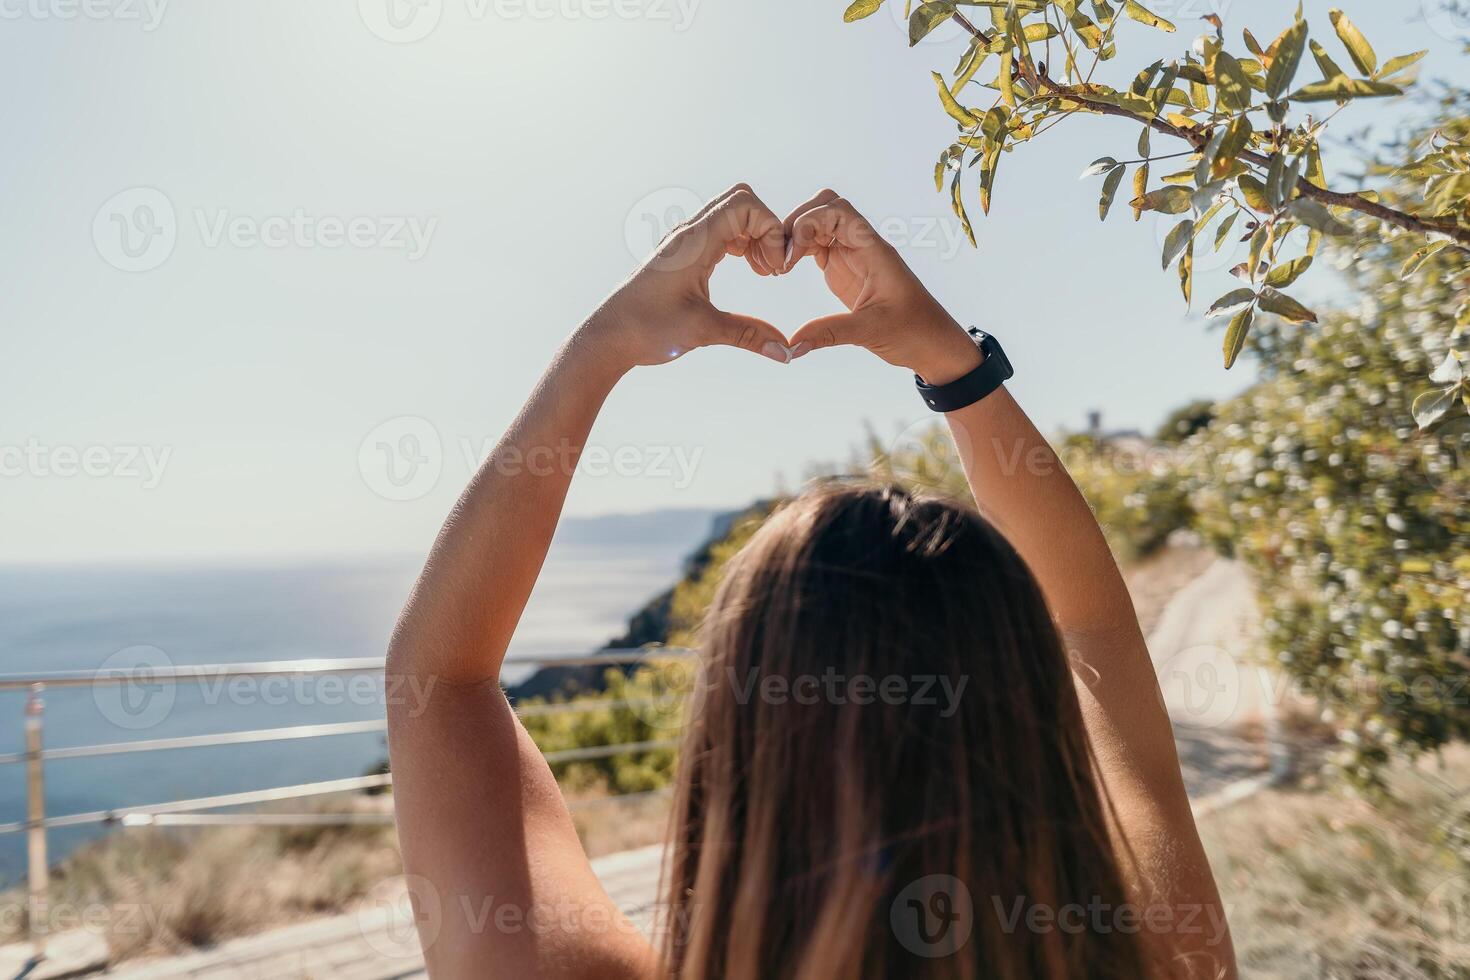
(994,371)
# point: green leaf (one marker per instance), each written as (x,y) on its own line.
(1289,272)
(1358,47)
(1275,174)
(1288,58)
(1231,303)
(1165,200)
(1330,70)
(1232,84)
(1186,273)
(1145,79)
(1396,65)
(1143,15)
(860,9)
(956,111)
(1237,137)
(1235,335)
(957,202)
(1254,192)
(1110,190)
(969,64)
(1178,239)
(1223,232)
(928,16)
(1275,301)
(1342,88)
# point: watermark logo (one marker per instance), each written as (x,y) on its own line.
(1445,911)
(933,916)
(402,458)
(401,917)
(134,693)
(1202,685)
(401,21)
(655,216)
(1449,19)
(670,680)
(135,230)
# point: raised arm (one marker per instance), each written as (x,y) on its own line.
(1022,488)
(501,883)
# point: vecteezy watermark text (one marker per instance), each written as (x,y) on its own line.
(147,13)
(407,21)
(146,464)
(833,687)
(137,687)
(1101,917)
(136,230)
(403,458)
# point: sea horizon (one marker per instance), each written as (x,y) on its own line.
(76,616)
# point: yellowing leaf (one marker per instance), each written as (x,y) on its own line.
(1287,273)
(1110,190)
(1274,301)
(860,9)
(956,111)
(1166,200)
(1236,333)
(1358,47)
(1289,49)
(1143,15)
(1342,88)
(1232,84)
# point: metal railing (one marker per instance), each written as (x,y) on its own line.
(189,812)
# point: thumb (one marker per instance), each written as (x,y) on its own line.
(830,331)
(750,333)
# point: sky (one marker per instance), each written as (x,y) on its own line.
(277,274)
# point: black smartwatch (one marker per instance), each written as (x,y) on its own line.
(993,372)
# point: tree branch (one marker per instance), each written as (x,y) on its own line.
(1198,138)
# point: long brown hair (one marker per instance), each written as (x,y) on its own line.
(884,769)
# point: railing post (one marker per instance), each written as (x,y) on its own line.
(38,873)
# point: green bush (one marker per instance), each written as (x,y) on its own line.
(1352,522)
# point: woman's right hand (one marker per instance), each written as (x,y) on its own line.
(664,309)
(889,311)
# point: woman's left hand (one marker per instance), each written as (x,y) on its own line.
(664,309)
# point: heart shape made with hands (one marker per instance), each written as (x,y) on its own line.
(888,310)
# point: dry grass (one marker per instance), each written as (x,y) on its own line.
(1321,884)
(157,891)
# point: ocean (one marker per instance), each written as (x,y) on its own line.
(70,617)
